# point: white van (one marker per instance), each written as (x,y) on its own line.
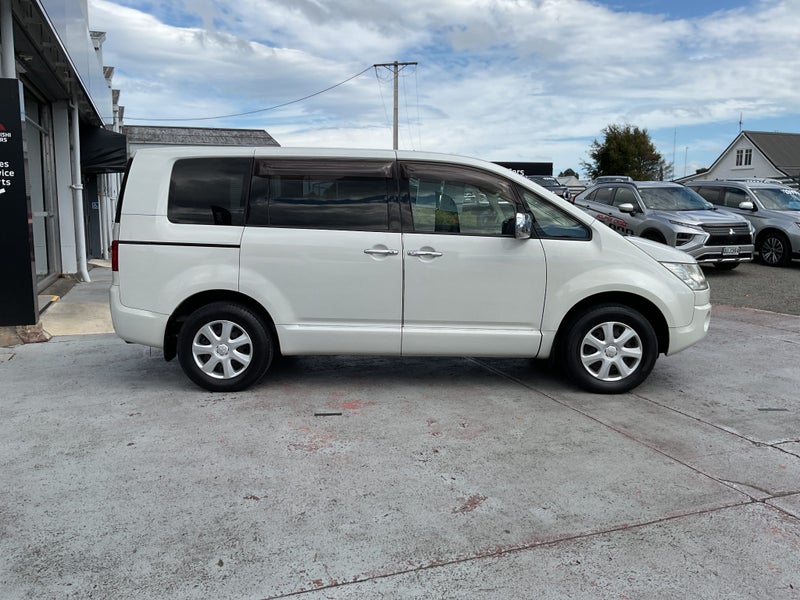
(225,257)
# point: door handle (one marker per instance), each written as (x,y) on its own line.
(430,253)
(381,252)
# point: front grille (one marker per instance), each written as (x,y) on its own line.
(728,235)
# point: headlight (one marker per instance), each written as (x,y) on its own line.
(689,273)
(689,225)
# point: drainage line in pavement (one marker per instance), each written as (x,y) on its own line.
(500,551)
(615,429)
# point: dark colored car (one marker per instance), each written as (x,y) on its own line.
(551,184)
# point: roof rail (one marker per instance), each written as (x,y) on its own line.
(754,180)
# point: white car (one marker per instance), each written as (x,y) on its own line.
(225,257)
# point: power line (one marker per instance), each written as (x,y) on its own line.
(259,110)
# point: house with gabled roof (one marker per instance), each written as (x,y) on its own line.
(757,154)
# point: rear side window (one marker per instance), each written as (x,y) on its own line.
(330,194)
(603,195)
(209,191)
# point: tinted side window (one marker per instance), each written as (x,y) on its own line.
(709,194)
(451,199)
(322,194)
(550,222)
(604,195)
(625,196)
(734,197)
(209,191)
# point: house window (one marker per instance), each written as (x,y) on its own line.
(744,157)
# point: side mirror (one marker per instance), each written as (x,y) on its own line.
(627,207)
(746,205)
(523,226)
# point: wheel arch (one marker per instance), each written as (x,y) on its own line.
(192,303)
(642,305)
(770,230)
(651,233)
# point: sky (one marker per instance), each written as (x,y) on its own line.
(502,80)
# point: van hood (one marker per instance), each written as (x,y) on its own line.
(660,252)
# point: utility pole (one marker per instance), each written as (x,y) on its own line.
(396,67)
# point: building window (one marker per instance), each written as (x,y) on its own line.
(744,158)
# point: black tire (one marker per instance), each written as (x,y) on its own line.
(606,366)
(234,347)
(726,266)
(774,249)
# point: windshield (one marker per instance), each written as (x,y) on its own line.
(778,198)
(672,198)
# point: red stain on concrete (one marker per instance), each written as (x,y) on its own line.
(469,504)
(351,405)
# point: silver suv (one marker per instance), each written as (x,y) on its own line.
(773,210)
(671,214)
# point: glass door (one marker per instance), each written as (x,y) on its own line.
(39,173)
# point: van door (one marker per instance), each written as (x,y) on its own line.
(471,287)
(322,252)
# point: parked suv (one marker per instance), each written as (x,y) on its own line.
(674,215)
(551,184)
(225,257)
(772,209)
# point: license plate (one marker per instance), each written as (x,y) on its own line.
(730,251)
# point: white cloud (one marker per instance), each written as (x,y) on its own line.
(503,79)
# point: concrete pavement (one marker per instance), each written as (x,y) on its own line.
(355,477)
(84,309)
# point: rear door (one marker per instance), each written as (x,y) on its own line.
(471,287)
(322,252)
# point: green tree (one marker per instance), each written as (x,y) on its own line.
(568,173)
(625,150)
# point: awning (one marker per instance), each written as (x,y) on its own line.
(102,151)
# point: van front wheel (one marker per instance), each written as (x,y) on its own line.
(224,347)
(609,349)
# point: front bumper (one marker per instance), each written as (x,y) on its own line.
(681,338)
(716,254)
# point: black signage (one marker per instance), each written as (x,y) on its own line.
(528,168)
(18,302)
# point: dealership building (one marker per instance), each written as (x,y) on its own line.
(60,156)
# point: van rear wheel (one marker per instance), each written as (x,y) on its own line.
(609,349)
(224,347)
